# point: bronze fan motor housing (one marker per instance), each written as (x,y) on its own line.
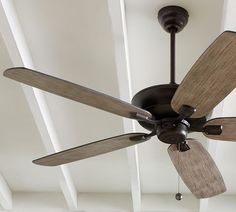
(157,100)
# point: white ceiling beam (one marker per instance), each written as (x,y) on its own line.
(5,191)
(20,55)
(118,20)
(5,194)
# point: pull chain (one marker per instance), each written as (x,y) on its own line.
(178,196)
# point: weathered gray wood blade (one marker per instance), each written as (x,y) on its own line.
(76,92)
(197,170)
(211,78)
(92,149)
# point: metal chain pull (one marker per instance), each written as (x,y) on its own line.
(178,196)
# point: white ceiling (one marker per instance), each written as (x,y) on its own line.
(20,139)
(74,40)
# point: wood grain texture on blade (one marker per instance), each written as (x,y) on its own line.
(75,92)
(211,78)
(228,130)
(198,170)
(91,149)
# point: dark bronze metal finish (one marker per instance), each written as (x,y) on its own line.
(173,17)
(183,147)
(157,100)
(186,111)
(172,56)
(213,129)
(171,133)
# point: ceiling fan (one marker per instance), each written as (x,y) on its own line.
(170,111)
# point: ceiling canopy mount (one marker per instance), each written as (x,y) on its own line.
(173,18)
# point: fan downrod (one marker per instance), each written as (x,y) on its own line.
(173,19)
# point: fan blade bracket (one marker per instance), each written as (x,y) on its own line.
(186,111)
(139,116)
(213,129)
(142,117)
(209,129)
(228,128)
(139,138)
(183,146)
(143,137)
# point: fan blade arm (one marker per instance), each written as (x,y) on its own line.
(93,149)
(213,129)
(78,93)
(228,126)
(208,129)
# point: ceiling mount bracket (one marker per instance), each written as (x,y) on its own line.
(173,18)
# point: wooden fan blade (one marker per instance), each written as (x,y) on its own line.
(76,92)
(198,170)
(211,78)
(92,149)
(228,128)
